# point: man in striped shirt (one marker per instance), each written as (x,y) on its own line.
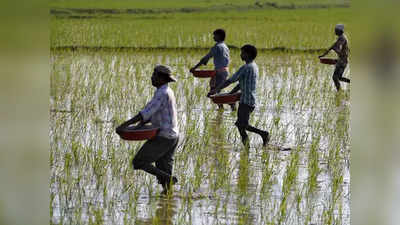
(247,77)
(161,112)
(220,53)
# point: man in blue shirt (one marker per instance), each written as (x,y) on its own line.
(220,53)
(247,77)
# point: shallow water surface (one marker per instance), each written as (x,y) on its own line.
(220,182)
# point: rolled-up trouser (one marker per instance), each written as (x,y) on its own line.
(242,122)
(159,150)
(338,74)
(243,115)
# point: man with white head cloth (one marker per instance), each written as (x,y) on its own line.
(342,50)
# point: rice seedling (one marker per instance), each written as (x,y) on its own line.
(220,182)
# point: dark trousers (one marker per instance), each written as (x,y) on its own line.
(161,151)
(338,75)
(218,79)
(242,122)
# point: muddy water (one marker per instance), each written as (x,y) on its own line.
(220,182)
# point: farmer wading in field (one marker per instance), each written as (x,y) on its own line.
(161,112)
(342,50)
(220,53)
(247,76)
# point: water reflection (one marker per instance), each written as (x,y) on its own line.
(220,181)
(163,215)
(244,202)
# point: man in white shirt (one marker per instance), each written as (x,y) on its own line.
(161,112)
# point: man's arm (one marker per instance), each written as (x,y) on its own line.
(337,47)
(234,78)
(135,119)
(144,116)
(196,66)
(219,87)
(235,89)
(153,106)
(204,60)
(329,49)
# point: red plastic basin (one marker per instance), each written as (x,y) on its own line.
(225,98)
(135,133)
(328,61)
(204,73)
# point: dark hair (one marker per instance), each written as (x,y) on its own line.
(220,33)
(251,50)
(340,32)
(164,76)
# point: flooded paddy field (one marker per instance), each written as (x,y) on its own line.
(220,182)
